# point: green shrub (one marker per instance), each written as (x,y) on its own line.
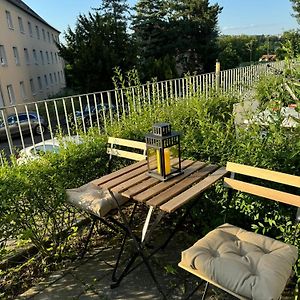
(32,205)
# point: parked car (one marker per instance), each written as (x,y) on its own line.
(51,145)
(91,111)
(13,122)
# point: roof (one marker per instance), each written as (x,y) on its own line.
(28,10)
(268,57)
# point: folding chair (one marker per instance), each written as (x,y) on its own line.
(244,264)
(98,202)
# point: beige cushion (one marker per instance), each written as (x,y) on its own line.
(248,264)
(93,199)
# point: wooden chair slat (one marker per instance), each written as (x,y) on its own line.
(194,191)
(264,192)
(180,187)
(127,143)
(264,174)
(125,154)
(189,167)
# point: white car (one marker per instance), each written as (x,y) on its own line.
(51,145)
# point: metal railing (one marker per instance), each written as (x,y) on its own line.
(37,122)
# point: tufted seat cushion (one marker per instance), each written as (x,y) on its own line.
(93,199)
(249,264)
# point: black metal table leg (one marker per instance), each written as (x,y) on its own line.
(138,247)
(88,237)
(122,248)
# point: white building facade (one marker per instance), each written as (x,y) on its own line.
(30,68)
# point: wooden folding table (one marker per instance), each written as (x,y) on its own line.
(166,197)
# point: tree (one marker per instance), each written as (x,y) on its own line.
(296,8)
(290,45)
(98,43)
(195,22)
(151,33)
(183,32)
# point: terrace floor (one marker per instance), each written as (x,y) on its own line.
(90,278)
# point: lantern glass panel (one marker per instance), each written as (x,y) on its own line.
(165,161)
(163,152)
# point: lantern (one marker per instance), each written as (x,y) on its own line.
(163,152)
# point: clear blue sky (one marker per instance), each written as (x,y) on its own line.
(237,17)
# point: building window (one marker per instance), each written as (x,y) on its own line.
(11,94)
(48,34)
(3,59)
(37,32)
(52,59)
(40,83)
(56,60)
(9,20)
(53,38)
(51,78)
(32,87)
(21,26)
(55,77)
(42,57)
(35,57)
(16,55)
(44,34)
(30,29)
(59,80)
(26,54)
(46,80)
(47,56)
(22,90)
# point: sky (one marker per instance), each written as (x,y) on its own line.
(238,16)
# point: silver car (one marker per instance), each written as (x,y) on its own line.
(20,122)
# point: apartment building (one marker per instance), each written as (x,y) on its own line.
(30,67)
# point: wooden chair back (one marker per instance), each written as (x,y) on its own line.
(129,149)
(258,190)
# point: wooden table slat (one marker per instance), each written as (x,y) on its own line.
(189,168)
(140,187)
(129,183)
(120,179)
(133,181)
(143,185)
(120,172)
(180,187)
(194,191)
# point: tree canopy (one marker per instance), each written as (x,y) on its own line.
(181,33)
(162,39)
(98,43)
(296,8)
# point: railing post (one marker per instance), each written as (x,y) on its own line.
(218,71)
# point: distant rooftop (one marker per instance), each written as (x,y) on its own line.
(28,10)
(268,57)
